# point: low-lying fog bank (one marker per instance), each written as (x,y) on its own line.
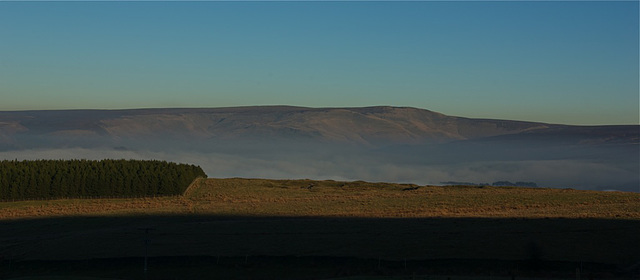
(618,172)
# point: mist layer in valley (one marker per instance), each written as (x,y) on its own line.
(372,144)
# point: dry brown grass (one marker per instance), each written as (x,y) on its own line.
(243,217)
(259,197)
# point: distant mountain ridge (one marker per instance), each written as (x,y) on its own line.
(389,144)
(365,126)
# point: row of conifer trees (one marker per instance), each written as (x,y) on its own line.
(44,179)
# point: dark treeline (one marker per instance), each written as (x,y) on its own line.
(42,179)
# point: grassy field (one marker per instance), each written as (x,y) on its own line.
(241,221)
(307,198)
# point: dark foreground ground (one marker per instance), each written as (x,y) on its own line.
(262,267)
(236,247)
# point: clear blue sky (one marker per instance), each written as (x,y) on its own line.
(558,62)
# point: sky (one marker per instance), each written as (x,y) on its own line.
(557,62)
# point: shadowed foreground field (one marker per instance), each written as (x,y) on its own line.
(267,229)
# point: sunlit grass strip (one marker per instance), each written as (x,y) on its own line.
(258,197)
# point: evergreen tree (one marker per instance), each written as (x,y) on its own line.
(79,178)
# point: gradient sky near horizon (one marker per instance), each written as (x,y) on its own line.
(557,62)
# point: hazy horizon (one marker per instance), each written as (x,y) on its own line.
(402,145)
(310,107)
(552,62)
